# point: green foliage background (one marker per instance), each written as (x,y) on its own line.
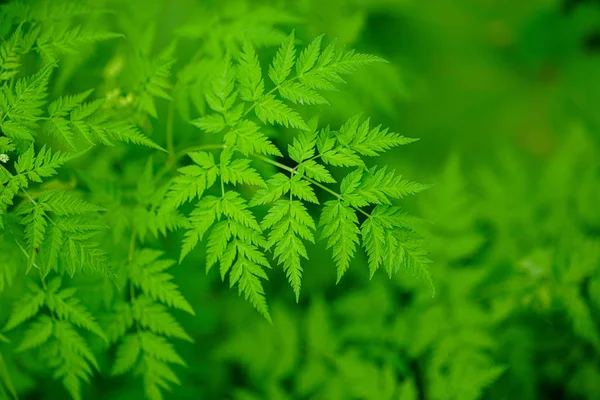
(504,98)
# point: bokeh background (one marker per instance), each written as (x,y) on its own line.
(505,98)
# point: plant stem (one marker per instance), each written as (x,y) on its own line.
(170,147)
(293,171)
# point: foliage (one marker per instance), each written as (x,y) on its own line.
(146,144)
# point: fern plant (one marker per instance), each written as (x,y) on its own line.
(235,238)
(64,229)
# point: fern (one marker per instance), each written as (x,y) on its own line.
(87,223)
(22,106)
(288,223)
(148,274)
(66,352)
(146,352)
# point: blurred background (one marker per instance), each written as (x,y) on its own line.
(505,98)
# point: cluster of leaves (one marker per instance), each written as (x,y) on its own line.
(234,237)
(236,172)
(74,187)
(509,274)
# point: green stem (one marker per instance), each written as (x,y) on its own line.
(170,147)
(293,171)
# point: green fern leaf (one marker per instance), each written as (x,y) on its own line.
(59,40)
(200,220)
(309,56)
(42,165)
(128,133)
(247,138)
(340,227)
(284,61)
(35,228)
(213,123)
(302,189)
(67,307)
(277,186)
(37,334)
(147,272)
(72,358)
(23,108)
(289,221)
(222,97)
(63,203)
(239,171)
(298,93)
(271,110)
(194,180)
(249,74)
(315,171)
(128,353)
(158,348)
(247,275)
(156,318)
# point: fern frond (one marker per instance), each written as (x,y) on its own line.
(12,49)
(6,145)
(147,272)
(389,241)
(35,222)
(333,64)
(128,133)
(27,307)
(277,186)
(309,56)
(80,252)
(23,107)
(316,171)
(247,139)
(42,165)
(127,355)
(340,227)
(119,322)
(156,373)
(376,186)
(67,307)
(302,189)
(213,123)
(63,203)
(272,110)
(239,171)
(284,60)
(249,74)
(289,222)
(71,358)
(247,275)
(369,142)
(200,220)
(159,348)
(60,39)
(236,244)
(37,334)
(193,181)
(156,318)
(155,83)
(223,95)
(298,93)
